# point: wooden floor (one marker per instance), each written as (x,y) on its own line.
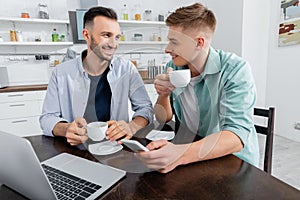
(286,160)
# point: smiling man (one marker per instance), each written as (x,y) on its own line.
(96,87)
(217,104)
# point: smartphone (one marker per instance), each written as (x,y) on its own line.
(134,145)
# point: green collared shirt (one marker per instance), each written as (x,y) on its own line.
(226,96)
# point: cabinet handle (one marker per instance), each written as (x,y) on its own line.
(14,105)
(19,121)
(15,95)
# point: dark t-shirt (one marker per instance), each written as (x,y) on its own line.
(98,105)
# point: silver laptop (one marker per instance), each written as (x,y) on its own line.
(55,178)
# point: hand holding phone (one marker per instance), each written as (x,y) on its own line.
(134,145)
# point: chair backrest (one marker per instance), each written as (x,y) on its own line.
(268,131)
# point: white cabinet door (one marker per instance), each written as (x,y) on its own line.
(22,127)
(17,96)
(19,109)
(20,112)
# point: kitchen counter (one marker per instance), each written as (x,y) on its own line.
(22,88)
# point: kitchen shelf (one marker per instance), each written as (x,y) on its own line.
(133,23)
(143,43)
(148,81)
(36,27)
(36,43)
(34,20)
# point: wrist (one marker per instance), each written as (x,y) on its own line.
(60,129)
(187,156)
(133,127)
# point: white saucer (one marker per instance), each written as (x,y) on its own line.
(105,148)
(160,135)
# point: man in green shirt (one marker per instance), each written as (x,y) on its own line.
(216,105)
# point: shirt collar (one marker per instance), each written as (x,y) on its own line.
(212,66)
(81,58)
(213,63)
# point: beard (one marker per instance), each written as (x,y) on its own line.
(98,50)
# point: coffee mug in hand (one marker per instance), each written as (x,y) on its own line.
(180,78)
(97,130)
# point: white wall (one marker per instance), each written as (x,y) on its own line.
(242,28)
(228,35)
(14,8)
(283,79)
(256,19)
(156,6)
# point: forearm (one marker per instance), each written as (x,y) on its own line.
(162,109)
(138,123)
(213,146)
(60,129)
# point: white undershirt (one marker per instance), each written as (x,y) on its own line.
(189,105)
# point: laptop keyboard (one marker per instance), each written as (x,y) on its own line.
(67,186)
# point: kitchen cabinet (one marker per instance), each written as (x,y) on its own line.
(36,35)
(152,37)
(20,112)
(148,49)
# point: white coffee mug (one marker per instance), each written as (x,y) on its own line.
(97,130)
(180,78)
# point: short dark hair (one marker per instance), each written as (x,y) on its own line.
(98,11)
(195,15)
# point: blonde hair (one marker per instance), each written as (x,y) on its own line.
(193,16)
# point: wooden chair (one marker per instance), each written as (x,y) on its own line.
(268,131)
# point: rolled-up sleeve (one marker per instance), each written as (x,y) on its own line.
(140,101)
(237,102)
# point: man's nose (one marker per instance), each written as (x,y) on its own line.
(168,49)
(113,43)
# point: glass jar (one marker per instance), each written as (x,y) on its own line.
(62,38)
(37,38)
(125,12)
(54,35)
(13,35)
(137,13)
(25,15)
(122,37)
(43,11)
(138,37)
(160,17)
(155,37)
(148,15)
(19,36)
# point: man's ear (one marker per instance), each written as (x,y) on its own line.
(85,34)
(200,42)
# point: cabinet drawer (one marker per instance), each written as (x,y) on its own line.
(40,95)
(17,96)
(22,127)
(19,109)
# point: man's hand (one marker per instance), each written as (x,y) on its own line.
(163,155)
(76,132)
(162,83)
(119,129)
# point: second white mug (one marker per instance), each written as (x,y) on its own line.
(180,78)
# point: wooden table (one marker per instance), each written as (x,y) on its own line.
(225,178)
